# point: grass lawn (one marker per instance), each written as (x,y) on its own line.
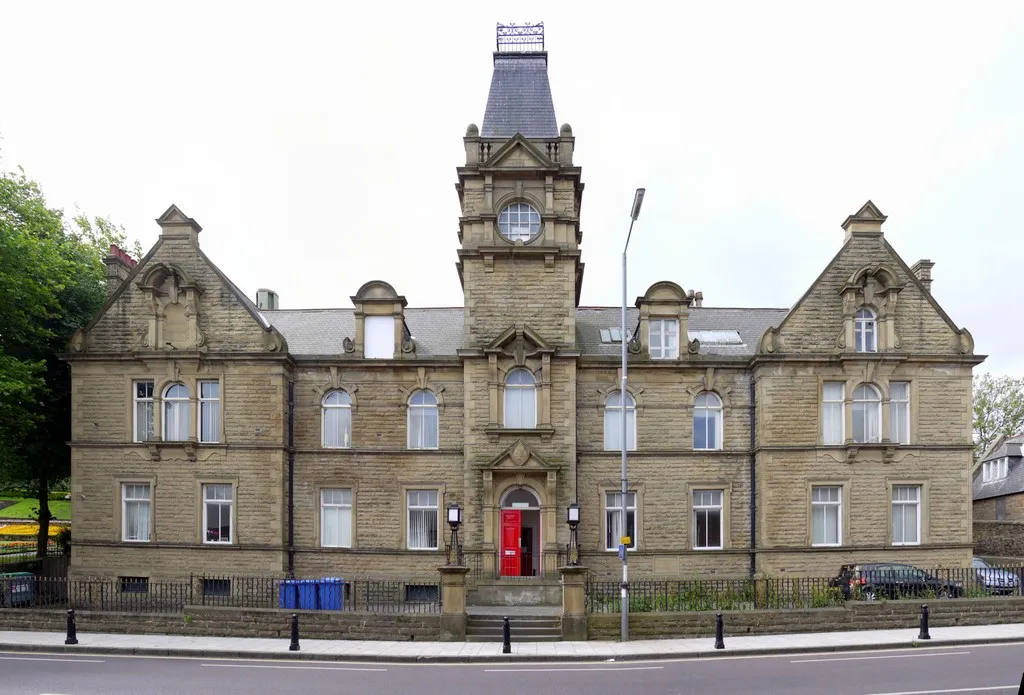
(22,509)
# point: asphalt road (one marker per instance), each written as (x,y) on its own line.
(992,669)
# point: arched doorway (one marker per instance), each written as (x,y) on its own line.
(520,533)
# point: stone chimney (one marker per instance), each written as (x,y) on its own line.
(923,270)
(698,299)
(119,266)
(266,300)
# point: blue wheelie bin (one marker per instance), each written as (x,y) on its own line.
(332,594)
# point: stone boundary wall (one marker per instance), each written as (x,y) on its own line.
(209,621)
(999,538)
(855,615)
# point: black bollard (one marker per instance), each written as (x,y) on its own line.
(72,631)
(506,637)
(924,623)
(719,631)
(294,646)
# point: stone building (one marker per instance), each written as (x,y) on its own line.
(217,434)
(998,484)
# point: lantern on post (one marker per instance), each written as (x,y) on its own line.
(572,517)
(454,547)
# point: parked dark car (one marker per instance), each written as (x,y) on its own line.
(870,581)
(995,580)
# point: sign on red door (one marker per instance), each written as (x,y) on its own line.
(510,532)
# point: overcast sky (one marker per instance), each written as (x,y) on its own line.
(307,137)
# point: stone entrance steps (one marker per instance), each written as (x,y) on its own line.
(524,628)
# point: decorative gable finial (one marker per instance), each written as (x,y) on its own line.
(867,221)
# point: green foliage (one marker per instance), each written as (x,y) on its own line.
(52,282)
(998,409)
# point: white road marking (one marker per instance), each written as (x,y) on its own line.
(953,690)
(38,658)
(301,668)
(527,669)
(861,658)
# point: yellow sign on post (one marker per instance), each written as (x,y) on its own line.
(625,540)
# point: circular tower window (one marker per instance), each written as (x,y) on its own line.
(519,222)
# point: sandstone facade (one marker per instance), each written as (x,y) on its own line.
(330,442)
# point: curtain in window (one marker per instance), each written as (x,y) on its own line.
(613,423)
(867,405)
(176,413)
(209,411)
(832,412)
(899,412)
(422,519)
(905,501)
(706,413)
(520,400)
(337,420)
(423,420)
(136,512)
(825,515)
(336,519)
(379,337)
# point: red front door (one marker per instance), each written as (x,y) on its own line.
(510,532)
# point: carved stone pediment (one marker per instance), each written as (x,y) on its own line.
(174,302)
(519,456)
(519,342)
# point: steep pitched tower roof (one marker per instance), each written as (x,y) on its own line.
(520,97)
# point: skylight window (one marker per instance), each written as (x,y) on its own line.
(716,337)
(614,335)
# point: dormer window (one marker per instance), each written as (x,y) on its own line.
(664,337)
(519,222)
(380,337)
(995,470)
(865,331)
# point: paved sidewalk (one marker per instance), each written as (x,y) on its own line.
(470,652)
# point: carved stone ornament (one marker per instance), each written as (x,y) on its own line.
(519,454)
(693,347)
(154,451)
(348,345)
(769,341)
(633,346)
(851,454)
(408,345)
(888,454)
(190,450)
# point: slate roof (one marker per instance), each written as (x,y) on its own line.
(520,98)
(1012,484)
(438,331)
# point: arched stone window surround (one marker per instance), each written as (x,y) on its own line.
(518,347)
(867,398)
(176,412)
(520,382)
(613,412)
(174,302)
(709,402)
(423,412)
(336,404)
(875,287)
(521,491)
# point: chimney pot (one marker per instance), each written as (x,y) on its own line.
(698,299)
(266,300)
(119,267)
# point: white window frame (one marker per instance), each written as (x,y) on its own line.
(613,506)
(613,422)
(899,412)
(209,405)
(866,405)
(145,502)
(664,344)
(341,508)
(181,406)
(426,508)
(825,506)
(831,408)
(343,407)
(150,405)
(228,502)
(900,506)
(422,406)
(375,345)
(865,331)
(706,503)
(526,417)
(511,218)
(700,404)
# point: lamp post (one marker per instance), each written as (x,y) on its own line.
(572,517)
(634,213)
(454,520)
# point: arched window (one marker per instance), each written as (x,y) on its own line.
(865,331)
(519,221)
(867,414)
(520,400)
(177,425)
(707,421)
(337,420)
(423,424)
(613,422)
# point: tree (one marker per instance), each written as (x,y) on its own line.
(998,409)
(52,281)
